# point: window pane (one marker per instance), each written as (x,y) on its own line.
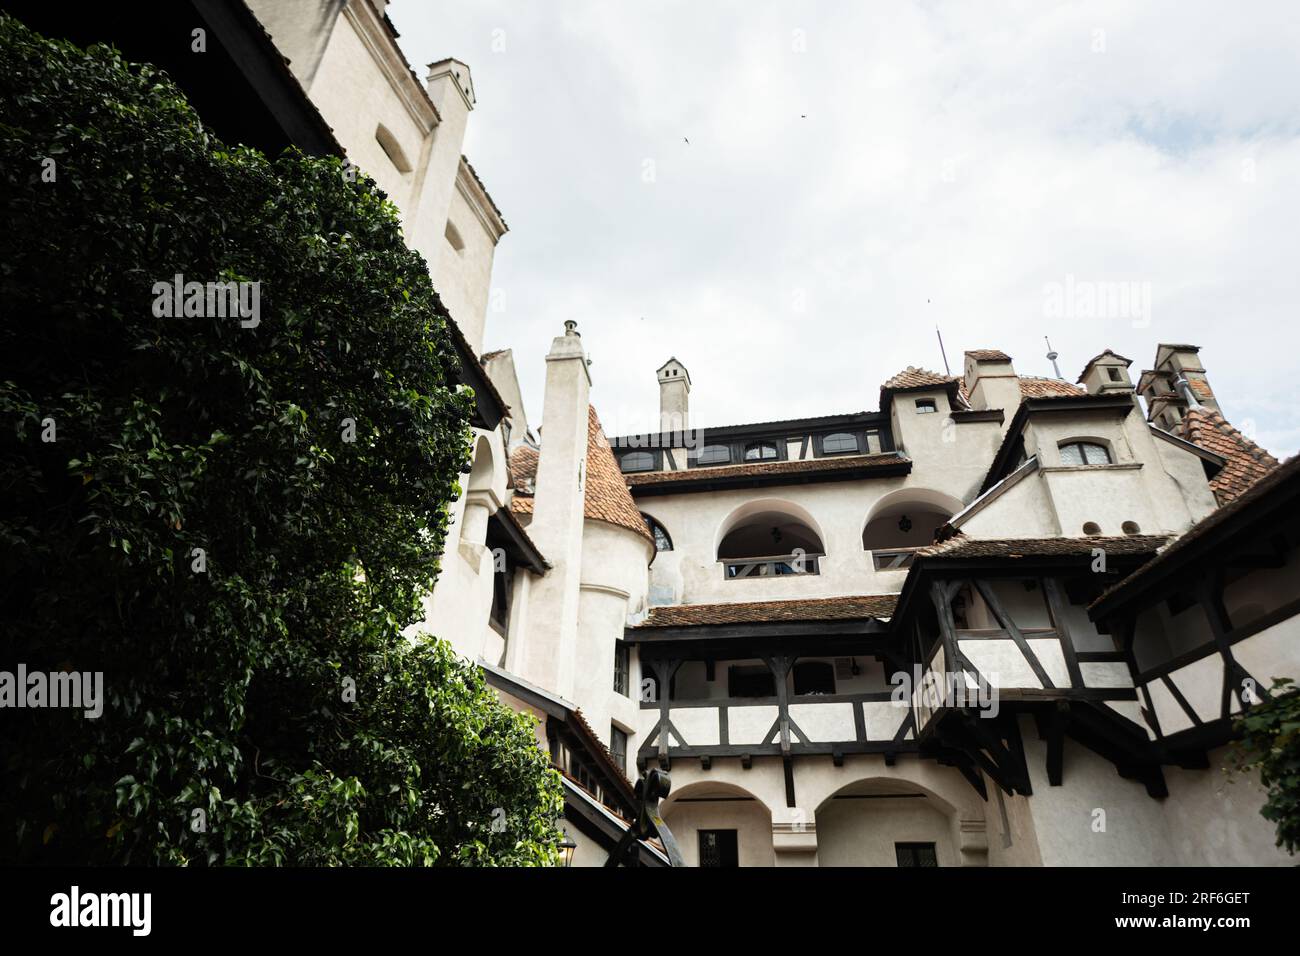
(1072,454)
(714,454)
(718,849)
(1096,455)
(916,854)
(925,405)
(638,461)
(760,451)
(618,747)
(839,442)
(662,541)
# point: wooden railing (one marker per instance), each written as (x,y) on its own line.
(771,566)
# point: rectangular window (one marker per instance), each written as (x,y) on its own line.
(925,406)
(718,848)
(916,854)
(621,658)
(618,747)
(751,681)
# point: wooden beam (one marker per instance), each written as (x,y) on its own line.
(991,599)
(1056,607)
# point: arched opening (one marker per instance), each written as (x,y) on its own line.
(453,237)
(720,825)
(886,822)
(769,537)
(902,522)
(392,149)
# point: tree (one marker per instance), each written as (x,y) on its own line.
(232,516)
(1270,746)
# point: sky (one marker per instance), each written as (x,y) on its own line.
(789,197)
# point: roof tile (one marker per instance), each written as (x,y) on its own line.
(1247,462)
(961,546)
(759,612)
(605,496)
(1032,386)
(640,479)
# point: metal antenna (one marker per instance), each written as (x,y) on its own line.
(947,371)
(1051,357)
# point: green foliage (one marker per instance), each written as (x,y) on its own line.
(1270,746)
(226,690)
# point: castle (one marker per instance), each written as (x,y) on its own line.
(998,620)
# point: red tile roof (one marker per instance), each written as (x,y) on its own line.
(911,378)
(759,612)
(606,495)
(988,355)
(605,498)
(1033,387)
(1247,462)
(838,463)
(1186,548)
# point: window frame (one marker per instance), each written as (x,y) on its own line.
(728,857)
(651,457)
(1083,444)
(656,529)
(619,753)
(622,669)
(858,443)
(914,852)
(695,460)
(806,667)
(926,406)
(760,445)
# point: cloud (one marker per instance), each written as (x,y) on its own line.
(857,174)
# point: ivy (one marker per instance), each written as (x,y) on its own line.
(1270,747)
(202,531)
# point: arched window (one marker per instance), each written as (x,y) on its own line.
(714,455)
(760,451)
(637,461)
(839,443)
(662,541)
(1084,453)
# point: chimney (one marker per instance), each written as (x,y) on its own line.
(1107,374)
(1177,383)
(991,382)
(548,655)
(674,396)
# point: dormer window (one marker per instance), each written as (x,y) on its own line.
(638,461)
(714,455)
(839,443)
(760,451)
(1113,372)
(1084,453)
(925,406)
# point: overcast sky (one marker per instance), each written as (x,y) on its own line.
(857,173)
